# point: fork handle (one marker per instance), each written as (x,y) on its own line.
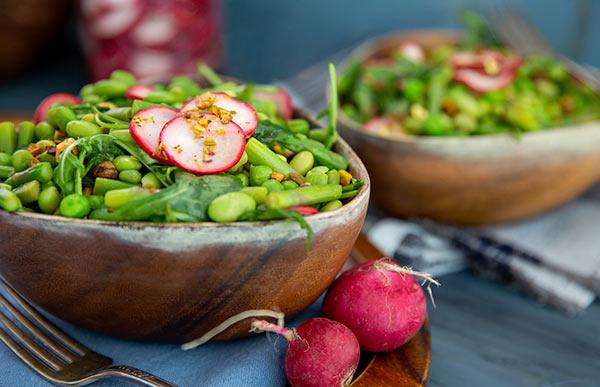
(136,375)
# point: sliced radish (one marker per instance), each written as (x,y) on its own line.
(304,210)
(245,115)
(138,91)
(413,51)
(41,112)
(281,98)
(482,83)
(476,60)
(383,124)
(145,128)
(214,149)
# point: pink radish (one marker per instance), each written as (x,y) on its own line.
(202,144)
(282,100)
(41,112)
(413,51)
(243,114)
(380,302)
(138,91)
(481,82)
(383,124)
(321,352)
(304,210)
(145,128)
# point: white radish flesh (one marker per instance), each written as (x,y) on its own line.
(145,128)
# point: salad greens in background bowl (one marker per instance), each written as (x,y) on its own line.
(157,211)
(457,128)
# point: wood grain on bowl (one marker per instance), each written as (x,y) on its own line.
(174,282)
(478,179)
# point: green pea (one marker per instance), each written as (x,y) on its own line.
(316,178)
(333,177)
(49,200)
(289,184)
(259,174)
(28,192)
(273,185)
(6,171)
(303,162)
(124,76)
(26,133)
(96,201)
(44,131)
(81,128)
(21,159)
(298,126)
(130,176)
(259,194)
(60,116)
(243,178)
(150,181)
(332,206)
(8,137)
(230,206)
(5,159)
(110,88)
(160,96)
(125,163)
(74,206)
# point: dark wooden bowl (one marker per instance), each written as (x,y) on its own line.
(174,282)
(473,180)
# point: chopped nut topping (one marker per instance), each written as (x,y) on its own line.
(277,176)
(63,145)
(33,162)
(107,170)
(35,149)
(345,177)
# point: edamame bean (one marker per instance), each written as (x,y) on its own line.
(81,128)
(332,206)
(103,185)
(9,201)
(5,159)
(5,186)
(96,201)
(259,174)
(230,206)
(48,184)
(28,192)
(316,178)
(289,184)
(319,168)
(21,159)
(150,181)
(74,206)
(49,200)
(130,176)
(273,185)
(125,163)
(333,177)
(124,76)
(110,88)
(8,137)
(60,116)
(303,162)
(26,133)
(243,178)
(45,157)
(259,194)
(298,126)
(41,172)
(6,171)
(44,131)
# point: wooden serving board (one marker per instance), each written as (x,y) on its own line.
(407,366)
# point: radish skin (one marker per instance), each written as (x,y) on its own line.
(138,91)
(146,126)
(321,352)
(41,112)
(380,302)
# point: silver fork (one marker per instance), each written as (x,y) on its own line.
(54,355)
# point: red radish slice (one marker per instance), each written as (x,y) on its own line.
(413,51)
(281,98)
(138,91)
(383,124)
(41,112)
(482,83)
(145,128)
(304,210)
(215,150)
(475,60)
(245,115)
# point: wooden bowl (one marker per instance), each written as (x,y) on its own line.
(473,180)
(174,282)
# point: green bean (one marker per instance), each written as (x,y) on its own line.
(333,177)
(44,131)
(243,160)
(259,194)
(318,134)
(159,96)
(41,172)
(74,206)
(332,206)
(230,206)
(316,178)
(80,128)
(45,157)
(103,185)
(260,154)
(119,197)
(130,176)
(125,163)
(259,174)
(122,134)
(242,177)
(60,116)
(124,77)
(28,192)
(5,159)
(8,137)
(302,162)
(289,184)
(273,185)
(9,201)
(6,171)
(110,88)
(149,180)
(208,74)
(303,196)
(26,133)
(21,159)
(354,184)
(49,200)
(349,194)
(96,201)
(5,186)
(298,126)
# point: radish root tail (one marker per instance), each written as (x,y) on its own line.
(386,264)
(231,321)
(265,326)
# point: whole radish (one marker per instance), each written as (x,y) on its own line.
(321,352)
(380,302)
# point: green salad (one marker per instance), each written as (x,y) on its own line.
(173,152)
(475,87)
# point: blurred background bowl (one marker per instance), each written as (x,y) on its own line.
(473,180)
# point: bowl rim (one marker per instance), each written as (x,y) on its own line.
(367,47)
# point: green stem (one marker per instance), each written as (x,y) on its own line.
(209,74)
